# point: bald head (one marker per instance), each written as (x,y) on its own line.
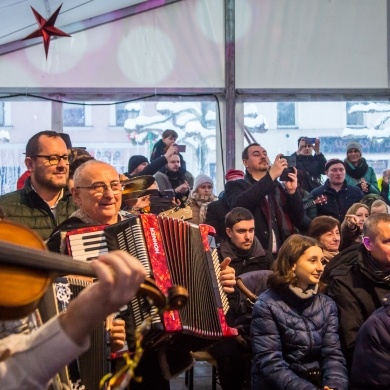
(89,169)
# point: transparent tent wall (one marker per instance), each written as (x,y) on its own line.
(115,132)
(112,133)
(277,126)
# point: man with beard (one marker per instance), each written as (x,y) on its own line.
(174,179)
(276,208)
(43,202)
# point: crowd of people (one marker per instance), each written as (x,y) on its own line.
(319,229)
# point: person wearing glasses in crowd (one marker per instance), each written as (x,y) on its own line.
(44,202)
(311,165)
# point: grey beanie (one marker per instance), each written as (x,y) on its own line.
(355,145)
(201,179)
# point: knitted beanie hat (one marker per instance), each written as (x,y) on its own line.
(355,145)
(135,161)
(333,161)
(201,179)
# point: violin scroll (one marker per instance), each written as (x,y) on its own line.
(176,299)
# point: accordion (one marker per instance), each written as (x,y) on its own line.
(173,252)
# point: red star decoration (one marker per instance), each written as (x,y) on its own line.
(46,29)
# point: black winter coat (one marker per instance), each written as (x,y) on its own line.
(337,202)
(287,330)
(357,291)
(312,167)
(251,194)
(215,216)
(370,368)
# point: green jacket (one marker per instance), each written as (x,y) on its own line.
(26,207)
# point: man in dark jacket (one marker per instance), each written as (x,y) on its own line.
(311,166)
(246,254)
(359,278)
(43,202)
(370,368)
(243,248)
(340,196)
(276,208)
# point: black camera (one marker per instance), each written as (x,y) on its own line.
(291,162)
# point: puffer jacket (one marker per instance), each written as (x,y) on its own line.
(288,330)
(26,207)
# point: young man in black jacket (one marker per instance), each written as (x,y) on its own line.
(247,255)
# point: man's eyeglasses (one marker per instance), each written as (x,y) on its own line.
(54,159)
(100,188)
(307,146)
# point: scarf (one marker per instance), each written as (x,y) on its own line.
(256,250)
(356,172)
(328,256)
(376,269)
(308,293)
(202,201)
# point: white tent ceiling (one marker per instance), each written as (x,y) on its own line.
(17,19)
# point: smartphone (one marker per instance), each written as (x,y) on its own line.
(284,175)
(310,141)
(181,148)
(291,161)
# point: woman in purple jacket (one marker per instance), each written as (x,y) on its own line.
(294,328)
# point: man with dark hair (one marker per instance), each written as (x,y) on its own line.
(276,208)
(244,249)
(340,196)
(359,278)
(246,255)
(311,166)
(43,202)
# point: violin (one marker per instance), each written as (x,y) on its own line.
(28,269)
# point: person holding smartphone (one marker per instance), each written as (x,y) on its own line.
(310,161)
(277,208)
